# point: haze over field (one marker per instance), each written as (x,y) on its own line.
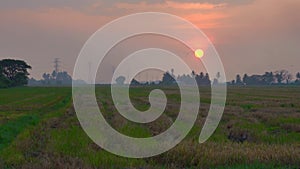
(251,36)
(135,84)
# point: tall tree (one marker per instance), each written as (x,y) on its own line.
(281,76)
(4,82)
(168,79)
(216,80)
(201,75)
(218,75)
(207,79)
(46,77)
(14,71)
(120,80)
(268,78)
(298,76)
(289,78)
(238,80)
(246,79)
(193,74)
(54,73)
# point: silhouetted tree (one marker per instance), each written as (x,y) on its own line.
(186,79)
(13,72)
(238,80)
(206,79)
(168,79)
(265,79)
(134,82)
(62,78)
(289,78)
(4,82)
(218,75)
(46,77)
(268,78)
(203,80)
(201,75)
(246,79)
(54,73)
(55,78)
(216,80)
(120,80)
(298,78)
(281,75)
(193,74)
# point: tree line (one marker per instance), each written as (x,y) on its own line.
(168,78)
(201,78)
(15,73)
(282,77)
(53,79)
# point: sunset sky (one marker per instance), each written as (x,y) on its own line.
(251,36)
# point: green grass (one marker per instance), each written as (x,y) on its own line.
(39,129)
(11,129)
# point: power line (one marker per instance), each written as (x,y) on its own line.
(56,64)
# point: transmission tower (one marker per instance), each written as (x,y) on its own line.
(56,64)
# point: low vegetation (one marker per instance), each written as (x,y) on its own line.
(260,128)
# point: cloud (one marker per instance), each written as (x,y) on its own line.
(206,21)
(38,4)
(193,5)
(39,36)
(53,19)
(167,5)
(260,36)
(95,13)
(205,15)
(251,35)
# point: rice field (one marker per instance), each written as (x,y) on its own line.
(260,128)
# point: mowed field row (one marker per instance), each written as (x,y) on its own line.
(260,128)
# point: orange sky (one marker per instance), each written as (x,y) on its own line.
(252,36)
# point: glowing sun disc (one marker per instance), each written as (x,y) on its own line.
(199,53)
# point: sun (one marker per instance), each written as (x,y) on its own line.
(199,53)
